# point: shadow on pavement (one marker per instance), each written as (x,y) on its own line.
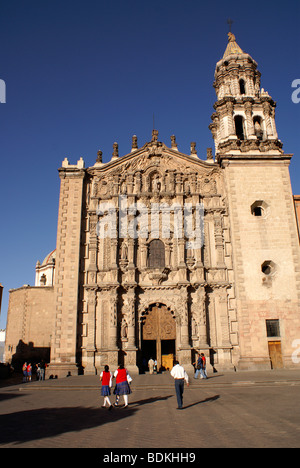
(8,396)
(149,400)
(214,398)
(25,426)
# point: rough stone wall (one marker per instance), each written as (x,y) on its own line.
(269,238)
(30,323)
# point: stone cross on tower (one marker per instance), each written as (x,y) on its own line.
(229,22)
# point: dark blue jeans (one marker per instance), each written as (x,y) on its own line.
(179,387)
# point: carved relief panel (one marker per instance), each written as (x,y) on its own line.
(158,324)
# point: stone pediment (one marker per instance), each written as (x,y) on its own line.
(154,154)
(154,170)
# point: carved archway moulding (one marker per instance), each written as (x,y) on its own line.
(146,306)
(152,304)
(158,323)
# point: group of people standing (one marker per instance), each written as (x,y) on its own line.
(200,367)
(39,369)
(27,372)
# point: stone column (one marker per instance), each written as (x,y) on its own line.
(267,111)
(113,260)
(201,306)
(113,351)
(131,349)
(250,83)
(231,126)
(184,352)
(272,119)
(223,332)
(234,81)
(131,243)
(219,240)
(91,331)
(249,119)
(113,320)
(93,245)
(143,252)
(178,182)
(181,261)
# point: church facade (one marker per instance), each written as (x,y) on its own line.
(161,254)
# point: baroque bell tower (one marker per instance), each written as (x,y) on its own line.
(263,231)
(244,117)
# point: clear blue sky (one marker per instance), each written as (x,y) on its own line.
(81,75)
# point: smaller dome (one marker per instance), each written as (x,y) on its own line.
(50,259)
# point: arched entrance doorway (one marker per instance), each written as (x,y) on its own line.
(159,336)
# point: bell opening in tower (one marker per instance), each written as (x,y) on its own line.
(239,127)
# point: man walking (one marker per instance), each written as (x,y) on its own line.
(180,375)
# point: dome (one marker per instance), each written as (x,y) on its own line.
(50,259)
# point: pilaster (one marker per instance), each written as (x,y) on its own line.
(64,338)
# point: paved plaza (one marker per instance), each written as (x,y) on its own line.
(228,410)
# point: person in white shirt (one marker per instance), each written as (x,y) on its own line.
(151,366)
(180,375)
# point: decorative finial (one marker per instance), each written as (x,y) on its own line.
(193,148)
(99,157)
(115,150)
(154,135)
(134,145)
(173,142)
(209,155)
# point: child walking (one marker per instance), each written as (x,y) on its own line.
(106,379)
(122,385)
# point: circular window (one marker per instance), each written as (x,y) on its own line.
(268,268)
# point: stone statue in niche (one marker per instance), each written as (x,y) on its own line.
(124,251)
(124,330)
(156,184)
(258,130)
(123,188)
(186,187)
(123,257)
(194,329)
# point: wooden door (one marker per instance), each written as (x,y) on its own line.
(275,354)
(158,324)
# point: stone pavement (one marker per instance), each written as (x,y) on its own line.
(244,409)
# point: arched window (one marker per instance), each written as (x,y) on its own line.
(239,127)
(156,255)
(242,87)
(43,280)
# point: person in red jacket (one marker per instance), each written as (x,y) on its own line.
(106,379)
(29,372)
(24,369)
(122,385)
